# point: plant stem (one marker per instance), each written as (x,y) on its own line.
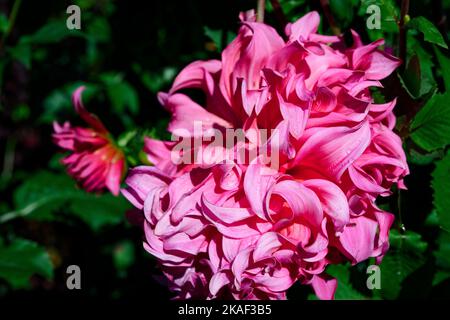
(329,15)
(11,22)
(261,7)
(402,32)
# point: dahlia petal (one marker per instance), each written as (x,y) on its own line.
(140,181)
(257,181)
(226,215)
(186,113)
(246,55)
(266,245)
(115,176)
(90,118)
(333,150)
(295,115)
(333,200)
(194,76)
(303,202)
(303,27)
(358,239)
(239,265)
(217,282)
(324,287)
(159,154)
(181,242)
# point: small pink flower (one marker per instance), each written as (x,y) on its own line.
(95,162)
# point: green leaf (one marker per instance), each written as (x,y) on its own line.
(22,53)
(389,12)
(344,290)
(20,113)
(124,95)
(403,258)
(123,256)
(430,32)
(155,81)
(441,188)
(423,159)
(4,23)
(99,30)
(431,126)
(343,10)
(423,67)
(98,211)
(60,100)
(442,256)
(440,276)
(411,78)
(45,193)
(121,94)
(215,36)
(53,32)
(444,62)
(22,259)
(287,5)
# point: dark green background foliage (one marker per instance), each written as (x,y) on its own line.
(125,53)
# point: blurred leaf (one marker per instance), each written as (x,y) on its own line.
(123,256)
(159,131)
(343,10)
(441,188)
(99,30)
(440,276)
(422,159)
(22,259)
(155,81)
(57,100)
(52,32)
(4,23)
(121,94)
(345,290)
(403,258)
(60,99)
(430,32)
(389,12)
(215,36)
(20,113)
(44,193)
(100,210)
(432,219)
(431,126)
(312,297)
(22,53)
(291,8)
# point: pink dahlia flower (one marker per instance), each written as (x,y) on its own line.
(95,162)
(222,227)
